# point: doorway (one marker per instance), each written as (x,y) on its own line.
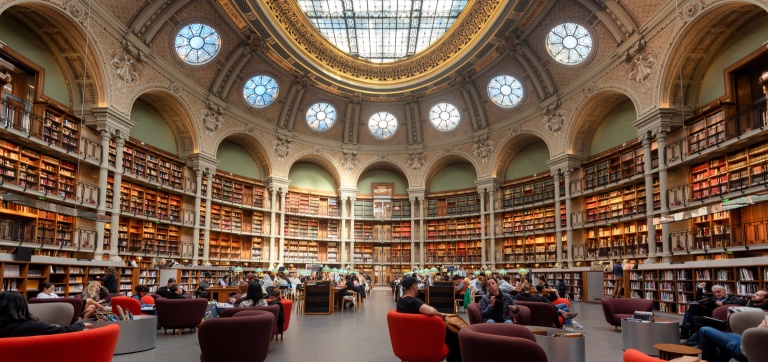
(382,275)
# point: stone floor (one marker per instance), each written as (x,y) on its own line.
(363,336)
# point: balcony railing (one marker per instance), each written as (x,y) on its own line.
(686,194)
(90,150)
(87,193)
(581,218)
(720,236)
(443,211)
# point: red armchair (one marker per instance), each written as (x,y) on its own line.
(287,306)
(68,347)
(253,330)
(614,309)
(77,305)
(542,314)
(633,355)
(180,313)
(147,300)
(562,301)
(431,332)
(127,304)
(523,317)
(497,342)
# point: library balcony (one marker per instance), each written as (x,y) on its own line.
(719,233)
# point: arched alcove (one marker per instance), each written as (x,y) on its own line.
(612,110)
(454,176)
(151,128)
(530,159)
(615,128)
(308,175)
(235,159)
(380,173)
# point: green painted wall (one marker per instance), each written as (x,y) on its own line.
(530,160)
(615,129)
(454,177)
(233,158)
(18,39)
(310,176)
(374,176)
(744,43)
(151,128)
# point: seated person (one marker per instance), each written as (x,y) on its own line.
(176,292)
(460,287)
(274,296)
(242,289)
(526,296)
(717,346)
(46,291)
(545,291)
(699,309)
(224,281)
(93,297)
(202,288)
(758,300)
(495,307)
(15,320)
(505,286)
(164,291)
(253,298)
(141,291)
(411,304)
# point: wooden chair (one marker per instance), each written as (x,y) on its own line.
(352,298)
(299,302)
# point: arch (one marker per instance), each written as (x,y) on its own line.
(589,113)
(377,164)
(510,147)
(445,160)
(321,160)
(253,147)
(152,128)
(701,38)
(61,29)
(177,115)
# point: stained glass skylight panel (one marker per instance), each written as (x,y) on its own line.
(382,30)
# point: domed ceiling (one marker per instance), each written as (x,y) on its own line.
(378,49)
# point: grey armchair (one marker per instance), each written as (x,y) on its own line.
(754,340)
(742,321)
(59,314)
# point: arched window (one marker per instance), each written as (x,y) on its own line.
(197,43)
(505,91)
(260,91)
(382,125)
(569,43)
(321,116)
(444,116)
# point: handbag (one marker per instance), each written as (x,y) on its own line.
(453,322)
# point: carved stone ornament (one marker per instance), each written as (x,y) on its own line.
(317,149)
(692,9)
(282,149)
(589,89)
(250,128)
(75,10)
(483,149)
(211,121)
(349,161)
(416,161)
(126,68)
(447,149)
(176,88)
(555,121)
(641,66)
(382,156)
(515,129)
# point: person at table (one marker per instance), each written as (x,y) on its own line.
(618,277)
(703,307)
(45,290)
(224,281)
(266,281)
(250,277)
(110,280)
(242,289)
(202,288)
(758,300)
(545,291)
(254,297)
(411,304)
(16,321)
(718,346)
(176,292)
(93,297)
(142,290)
(495,307)
(526,296)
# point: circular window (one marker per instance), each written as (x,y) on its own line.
(382,125)
(260,91)
(569,43)
(444,116)
(197,43)
(505,91)
(321,116)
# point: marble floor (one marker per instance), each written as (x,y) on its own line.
(363,336)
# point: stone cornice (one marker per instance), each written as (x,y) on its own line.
(565,162)
(658,120)
(109,119)
(202,162)
(488,184)
(278,183)
(347,192)
(417,193)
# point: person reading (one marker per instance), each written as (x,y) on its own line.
(411,304)
(703,307)
(758,300)
(202,288)
(495,307)
(46,291)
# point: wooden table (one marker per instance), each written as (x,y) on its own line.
(222,293)
(669,352)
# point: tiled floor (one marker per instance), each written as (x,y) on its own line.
(363,336)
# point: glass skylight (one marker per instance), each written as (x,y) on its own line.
(444,116)
(382,30)
(197,43)
(569,43)
(505,91)
(321,116)
(382,125)
(260,91)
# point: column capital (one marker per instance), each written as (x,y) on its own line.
(109,119)
(565,163)
(487,184)
(419,193)
(347,193)
(203,162)
(658,120)
(277,183)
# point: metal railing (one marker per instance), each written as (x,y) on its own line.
(444,212)
(685,194)
(720,236)
(581,218)
(87,193)
(90,150)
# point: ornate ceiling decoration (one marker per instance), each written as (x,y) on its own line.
(297,45)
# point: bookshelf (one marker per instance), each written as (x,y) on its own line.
(151,163)
(462,251)
(618,163)
(144,236)
(529,190)
(146,201)
(531,248)
(454,228)
(31,169)
(47,228)
(706,132)
(299,201)
(61,129)
(736,171)
(530,220)
(68,279)
(622,239)
(458,203)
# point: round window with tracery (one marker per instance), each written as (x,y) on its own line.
(569,43)
(260,91)
(444,116)
(505,91)
(382,125)
(197,43)
(321,116)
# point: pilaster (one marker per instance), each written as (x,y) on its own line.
(418,194)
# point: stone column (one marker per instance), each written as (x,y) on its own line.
(422,258)
(281,227)
(568,225)
(271,256)
(196,229)
(207,232)
(352,232)
(413,227)
(647,167)
(102,208)
(120,137)
(345,237)
(493,230)
(483,256)
(661,140)
(558,221)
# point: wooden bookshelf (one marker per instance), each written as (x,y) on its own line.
(146,201)
(151,163)
(47,228)
(736,171)
(310,202)
(61,129)
(454,228)
(532,248)
(529,190)
(618,240)
(530,220)
(617,164)
(455,203)
(461,251)
(144,236)
(32,169)
(69,280)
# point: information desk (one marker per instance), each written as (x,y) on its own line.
(318,298)
(220,294)
(441,297)
(135,335)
